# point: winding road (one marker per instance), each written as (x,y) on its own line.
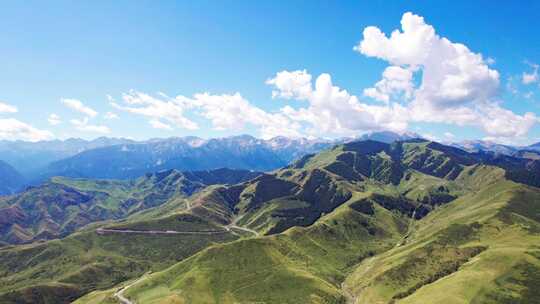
(233,225)
(228,228)
(105,231)
(120,293)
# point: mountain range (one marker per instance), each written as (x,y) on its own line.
(411,221)
(120,158)
(11,180)
(126,159)
(29,157)
(531,151)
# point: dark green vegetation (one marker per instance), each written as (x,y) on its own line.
(364,222)
(61,206)
(60,271)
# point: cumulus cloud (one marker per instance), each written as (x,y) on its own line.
(6,108)
(457,85)
(532,77)
(428,79)
(502,123)
(54,119)
(451,74)
(333,111)
(224,111)
(395,81)
(13,129)
(235,112)
(163,108)
(296,84)
(83,125)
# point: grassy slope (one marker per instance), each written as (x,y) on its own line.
(315,259)
(369,241)
(482,248)
(302,265)
(87,261)
(64,205)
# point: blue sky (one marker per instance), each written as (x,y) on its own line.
(54,53)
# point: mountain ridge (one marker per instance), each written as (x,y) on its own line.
(406,213)
(191,153)
(59,207)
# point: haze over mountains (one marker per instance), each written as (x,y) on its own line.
(117,158)
(120,158)
(123,158)
(360,222)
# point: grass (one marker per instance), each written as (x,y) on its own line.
(87,261)
(303,265)
(464,252)
(403,223)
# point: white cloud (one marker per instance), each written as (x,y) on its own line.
(54,119)
(502,123)
(156,124)
(528,78)
(13,129)
(452,75)
(410,47)
(78,106)
(457,85)
(333,111)
(225,112)
(234,112)
(110,115)
(296,84)
(165,108)
(6,108)
(396,81)
(82,125)
(429,79)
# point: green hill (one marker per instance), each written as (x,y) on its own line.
(63,205)
(63,270)
(364,222)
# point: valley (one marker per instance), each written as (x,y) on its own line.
(270,152)
(363,222)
